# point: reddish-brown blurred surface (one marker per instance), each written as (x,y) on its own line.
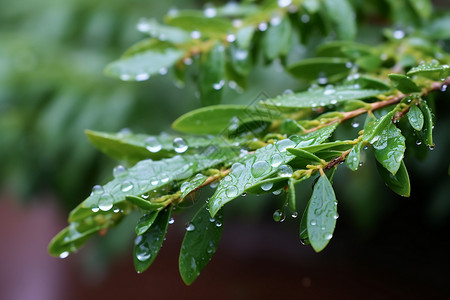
(254,261)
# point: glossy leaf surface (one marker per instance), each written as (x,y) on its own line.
(326,68)
(353,157)
(145,222)
(200,243)
(399,183)
(389,148)
(404,84)
(191,185)
(415,117)
(211,79)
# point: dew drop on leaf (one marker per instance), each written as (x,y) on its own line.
(64,254)
(276,160)
(105,203)
(97,190)
(126,186)
(266,186)
(152,144)
(119,171)
(260,168)
(190,227)
(179,145)
(283,144)
(278,215)
(285,171)
(232,191)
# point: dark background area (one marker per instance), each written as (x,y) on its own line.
(52,88)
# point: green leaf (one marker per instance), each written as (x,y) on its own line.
(191,20)
(320,97)
(191,185)
(319,218)
(135,147)
(211,78)
(140,66)
(415,117)
(220,118)
(347,49)
(399,183)
(303,158)
(373,127)
(367,82)
(200,243)
(261,165)
(146,222)
(389,148)
(438,28)
(147,245)
(432,70)
(240,59)
(343,16)
(353,157)
(145,204)
(426,135)
(147,176)
(337,145)
(404,84)
(291,195)
(423,8)
(163,32)
(326,69)
(277,39)
(244,37)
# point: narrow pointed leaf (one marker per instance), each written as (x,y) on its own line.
(432,70)
(200,243)
(217,119)
(328,68)
(145,222)
(389,148)
(168,33)
(147,245)
(277,39)
(404,84)
(353,157)
(373,127)
(191,20)
(211,75)
(426,135)
(191,185)
(320,97)
(321,215)
(415,117)
(399,183)
(144,204)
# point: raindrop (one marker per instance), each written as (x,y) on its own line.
(266,186)
(218,223)
(294,214)
(143,252)
(329,91)
(64,254)
(95,209)
(212,220)
(97,190)
(313,223)
(105,203)
(184,186)
(211,248)
(232,191)
(163,71)
(196,34)
(190,227)
(285,171)
(126,186)
(145,196)
(187,61)
(143,25)
(348,65)
(262,26)
(116,210)
(210,12)
(154,182)
(119,171)
(443,88)
(164,178)
(217,86)
(284,3)
(275,21)
(418,143)
(305,18)
(327,236)
(431,147)
(152,144)
(283,144)
(322,79)
(277,192)
(171,221)
(276,160)
(142,77)
(336,216)
(398,34)
(179,145)
(231,38)
(260,168)
(278,215)
(125,77)
(241,54)
(355,124)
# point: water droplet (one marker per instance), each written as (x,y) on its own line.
(196,34)
(214,184)
(283,144)
(277,192)
(266,186)
(152,144)
(275,21)
(335,216)
(97,190)
(179,145)
(285,171)
(217,86)
(142,77)
(260,168)
(398,34)
(64,254)
(212,220)
(95,209)
(171,221)
(184,186)
(231,38)
(294,214)
(125,77)
(329,91)
(313,223)
(187,61)
(164,178)
(211,248)
(284,3)
(355,124)
(262,26)
(327,236)
(105,202)
(278,215)
(210,12)
(276,160)
(232,191)
(305,18)
(218,223)
(119,171)
(143,252)
(190,227)
(418,143)
(143,26)
(431,147)
(163,71)
(322,79)
(443,88)
(126,186)
(116,210)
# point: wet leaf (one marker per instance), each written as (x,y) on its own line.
(319,219)
(200,243)
(320,97)
(191,20)
(389,148)
(265,163)
(138,65)
(218,119)
(211,77)
(353,157)
(163,32)
(415,117)
(404,84)
(240,59)
(343,16)
(291,195)
(432,70)
(327,69)
(145,222)
(399,183)
(349,49)
(147,245)
(303,158)
(145,204)
(426,135)
(423,8)
(191,185)
(373,127)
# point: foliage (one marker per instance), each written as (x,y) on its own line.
(274,144)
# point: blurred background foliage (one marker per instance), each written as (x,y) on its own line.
(52,88)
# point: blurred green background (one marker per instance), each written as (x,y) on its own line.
(52,88)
